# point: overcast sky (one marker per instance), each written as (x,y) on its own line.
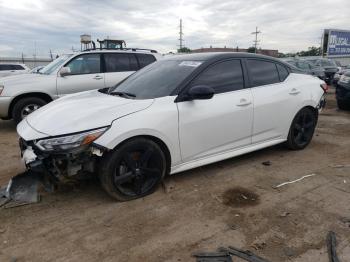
(286,25)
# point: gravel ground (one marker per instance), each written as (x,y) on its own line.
(232,202)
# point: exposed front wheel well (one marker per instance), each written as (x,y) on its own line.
(42,96)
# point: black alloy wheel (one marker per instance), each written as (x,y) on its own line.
(302,129)
(133,170)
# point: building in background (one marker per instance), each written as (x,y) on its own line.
(273,53)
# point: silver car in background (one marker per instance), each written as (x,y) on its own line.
(68,74)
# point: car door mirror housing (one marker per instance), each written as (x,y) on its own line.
(200,92)
(64,71)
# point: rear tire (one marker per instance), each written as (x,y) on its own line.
(25,106)
(133,170)
(302,129)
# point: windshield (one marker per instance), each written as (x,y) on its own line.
(156,80)
(54,65)
(328,63)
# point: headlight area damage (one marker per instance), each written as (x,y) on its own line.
(52,161)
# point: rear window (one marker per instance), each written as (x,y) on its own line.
(262,72)
(5,67)
(120,62)
(282,71)
(17,67)
(145,59)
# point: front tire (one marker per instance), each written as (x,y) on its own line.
(133,170)
(25,106)
(302,129)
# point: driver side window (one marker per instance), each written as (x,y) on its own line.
(223,77)
(85,64)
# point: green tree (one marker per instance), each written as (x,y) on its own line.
(184,50)
(251,49)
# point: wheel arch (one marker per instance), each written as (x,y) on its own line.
(41,95)
(163,146)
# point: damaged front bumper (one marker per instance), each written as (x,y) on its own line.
(62,165)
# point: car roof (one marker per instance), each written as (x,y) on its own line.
(135,51)
(215,56)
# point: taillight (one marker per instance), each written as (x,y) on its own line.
(325,87)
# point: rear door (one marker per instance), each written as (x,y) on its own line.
(85,75)
(275,99)
(219,124)
(119,66)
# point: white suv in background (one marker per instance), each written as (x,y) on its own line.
(10,69)
(71,73)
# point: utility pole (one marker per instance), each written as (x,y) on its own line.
(256,41)
(51,55)
(181,35)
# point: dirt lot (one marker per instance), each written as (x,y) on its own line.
(228,203)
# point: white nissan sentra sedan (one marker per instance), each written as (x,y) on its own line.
(176,114)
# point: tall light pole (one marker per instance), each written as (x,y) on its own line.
(181,35)
(256,41)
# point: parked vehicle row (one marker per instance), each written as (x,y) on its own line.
(308,67)
(343,91)
(71,73)
(323,68)
(177,113)
(9,69)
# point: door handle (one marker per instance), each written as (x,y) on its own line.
(244,102)
(294,91)
(98,77)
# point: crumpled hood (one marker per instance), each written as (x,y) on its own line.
(22,79)
(83,111)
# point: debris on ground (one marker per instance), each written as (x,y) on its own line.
(246,255)
(340,166)
(294,181)
(240,197)
(267,163)
(284,214)
(213,257)
(21,190)
(332,247)
(345,221)
(289,252)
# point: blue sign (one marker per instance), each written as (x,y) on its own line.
(339,43)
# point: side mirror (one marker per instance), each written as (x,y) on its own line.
(200,92)
(64,71)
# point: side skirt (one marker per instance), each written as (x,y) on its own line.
(222,156)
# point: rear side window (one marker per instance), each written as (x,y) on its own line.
(262,72)
(5,67)
(17,67)
(145,59)
(282,71)
(222,77)
(119,62)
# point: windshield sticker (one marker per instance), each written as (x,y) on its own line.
(190,63)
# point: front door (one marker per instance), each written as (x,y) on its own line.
(219,124)
(85,75)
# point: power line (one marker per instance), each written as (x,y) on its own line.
(256,41)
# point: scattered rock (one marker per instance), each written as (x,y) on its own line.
(289,252)
(267,163)
(284,214)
